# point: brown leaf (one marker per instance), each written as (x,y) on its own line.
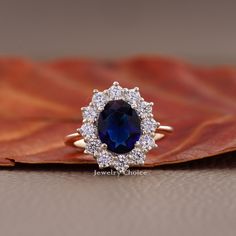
(40,103)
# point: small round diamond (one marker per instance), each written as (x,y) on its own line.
(92,146)
(147,142)
(137,156)
(133,97)
(115,92)
(89,114)
(121,164)
(145,109)
(148,125)
(99,100)
(87,130)
(104,159)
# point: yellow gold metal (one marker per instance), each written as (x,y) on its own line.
(75,140)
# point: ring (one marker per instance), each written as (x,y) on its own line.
(118,128)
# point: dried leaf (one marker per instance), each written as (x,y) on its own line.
(40,103)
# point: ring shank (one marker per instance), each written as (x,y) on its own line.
(75,139)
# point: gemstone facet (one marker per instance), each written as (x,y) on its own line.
(119,126)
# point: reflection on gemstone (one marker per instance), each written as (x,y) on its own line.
(119,126)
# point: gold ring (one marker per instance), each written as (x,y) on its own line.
(118,128)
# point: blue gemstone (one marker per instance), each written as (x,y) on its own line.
(119,126)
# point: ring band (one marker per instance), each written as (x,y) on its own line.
(75,140)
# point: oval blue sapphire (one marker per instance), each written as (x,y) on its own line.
(119,126)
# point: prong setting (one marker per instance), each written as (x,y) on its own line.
(88,130)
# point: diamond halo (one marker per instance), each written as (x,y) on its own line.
(93,144)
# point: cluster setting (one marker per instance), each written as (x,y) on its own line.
(118,128)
